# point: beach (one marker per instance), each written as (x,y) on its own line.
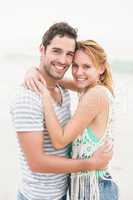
(121,165)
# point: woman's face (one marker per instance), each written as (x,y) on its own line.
(84,71)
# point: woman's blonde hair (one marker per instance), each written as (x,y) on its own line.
(99,58)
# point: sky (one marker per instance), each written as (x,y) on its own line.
(109,22)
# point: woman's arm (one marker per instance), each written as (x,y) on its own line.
(88,108)
(69,84)
(33,75)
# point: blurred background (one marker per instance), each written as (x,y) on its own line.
(22,26)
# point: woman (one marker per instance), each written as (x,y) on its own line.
(91,122)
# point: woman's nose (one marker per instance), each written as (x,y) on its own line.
(79,71)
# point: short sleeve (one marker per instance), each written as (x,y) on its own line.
(26,111)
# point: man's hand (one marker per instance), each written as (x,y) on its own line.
(102,156)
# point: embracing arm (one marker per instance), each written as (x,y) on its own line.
(39,161)
(69,84)
(88,108)
(29,129)
(33,75)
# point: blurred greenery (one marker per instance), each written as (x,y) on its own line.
(118,65)
(122,66)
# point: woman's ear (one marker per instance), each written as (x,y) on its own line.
(101,69)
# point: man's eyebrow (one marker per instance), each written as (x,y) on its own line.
(72,52)
(56,48)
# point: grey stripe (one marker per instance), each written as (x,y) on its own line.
(27,115)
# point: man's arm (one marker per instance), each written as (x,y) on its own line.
(39,161)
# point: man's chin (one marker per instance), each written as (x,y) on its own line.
(57,77)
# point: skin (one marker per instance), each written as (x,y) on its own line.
(57,57)
(92,110)
(55,60)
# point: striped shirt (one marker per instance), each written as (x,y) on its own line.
(27,115)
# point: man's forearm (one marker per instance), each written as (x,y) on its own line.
(55,164)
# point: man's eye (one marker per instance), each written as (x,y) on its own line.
(56,51)
(70,54)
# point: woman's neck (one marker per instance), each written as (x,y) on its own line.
(84,90)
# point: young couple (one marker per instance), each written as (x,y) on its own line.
(41,116)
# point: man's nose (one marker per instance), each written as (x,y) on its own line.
(63,59)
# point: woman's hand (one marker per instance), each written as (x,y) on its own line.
(31,78)
(41,88)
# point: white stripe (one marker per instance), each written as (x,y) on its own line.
(27,115)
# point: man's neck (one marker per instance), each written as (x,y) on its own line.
(52,86)
(51,82)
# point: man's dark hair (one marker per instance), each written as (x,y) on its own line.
(62,29)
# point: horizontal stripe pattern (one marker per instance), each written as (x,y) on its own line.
(27,115)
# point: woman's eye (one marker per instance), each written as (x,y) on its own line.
(87,67)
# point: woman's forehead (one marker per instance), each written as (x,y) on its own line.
(82,55)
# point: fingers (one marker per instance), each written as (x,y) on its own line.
(30,78)
(35,81)
(31,84)
(42,79)
(27,84)
(41,87)
(34,86)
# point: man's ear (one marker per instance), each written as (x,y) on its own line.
(42,49)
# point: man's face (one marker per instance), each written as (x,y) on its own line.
(58,56)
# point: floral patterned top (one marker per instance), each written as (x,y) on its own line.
(83,147)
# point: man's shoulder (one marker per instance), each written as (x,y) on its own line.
(23,96)
(23,92)
(26,111)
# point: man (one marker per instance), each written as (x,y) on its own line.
(44,168)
